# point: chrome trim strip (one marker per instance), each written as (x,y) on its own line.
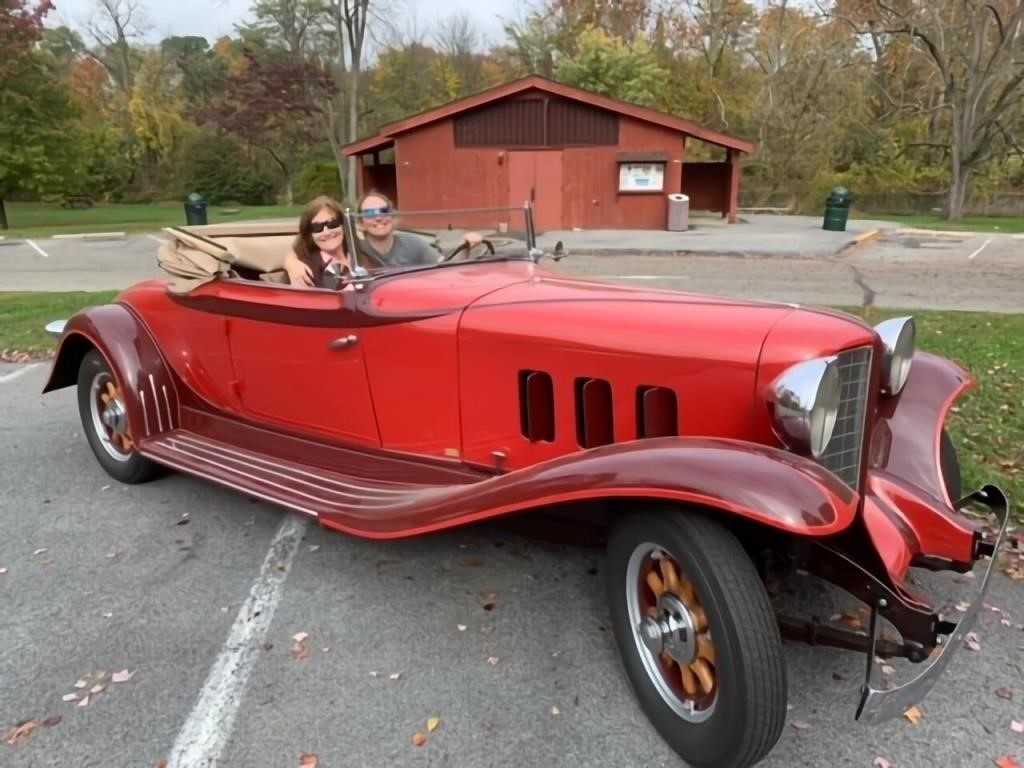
(145,410)
(167,401)
(156,403)
(254,458)
(286,489)
(243,489)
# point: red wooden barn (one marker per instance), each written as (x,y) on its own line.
(585,160)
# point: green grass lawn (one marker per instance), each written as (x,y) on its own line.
(47,219)
(973,224)
(987,423)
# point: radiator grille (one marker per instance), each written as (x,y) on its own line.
(844,451)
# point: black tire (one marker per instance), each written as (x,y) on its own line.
(128,467)
(949,463)
(748,709)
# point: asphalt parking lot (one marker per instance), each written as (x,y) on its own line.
(198,594)
(769,257)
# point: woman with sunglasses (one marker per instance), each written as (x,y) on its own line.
(319,246)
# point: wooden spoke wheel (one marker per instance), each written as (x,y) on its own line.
(103,408)
(697,636)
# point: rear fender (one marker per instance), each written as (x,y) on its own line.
(906,473)
(753,481)
(149,391)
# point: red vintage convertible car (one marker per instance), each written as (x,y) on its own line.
(707,436)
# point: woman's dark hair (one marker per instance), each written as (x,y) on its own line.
(304,246)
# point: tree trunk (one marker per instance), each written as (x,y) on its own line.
(3,215)
(351,191)
(960,175)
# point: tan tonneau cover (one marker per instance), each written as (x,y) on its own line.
(193,256)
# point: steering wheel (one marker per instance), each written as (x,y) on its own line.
(465,246)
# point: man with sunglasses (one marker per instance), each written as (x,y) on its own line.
(383,244)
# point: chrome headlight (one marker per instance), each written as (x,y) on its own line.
(805,398)
(899,336)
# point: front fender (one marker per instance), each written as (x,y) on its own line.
(905,470)
(149,391)
(757,482)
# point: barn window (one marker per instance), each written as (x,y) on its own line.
(594,413)
(657,413)
(536,406)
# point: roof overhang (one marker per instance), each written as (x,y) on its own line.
(387,133)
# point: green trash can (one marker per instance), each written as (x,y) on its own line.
(837,209)
(195,209)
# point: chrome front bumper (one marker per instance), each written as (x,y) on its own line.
(878,705)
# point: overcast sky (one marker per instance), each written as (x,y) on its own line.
(213,18)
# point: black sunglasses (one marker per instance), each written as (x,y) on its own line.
(319,226)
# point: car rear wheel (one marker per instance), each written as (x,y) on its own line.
(697,636)
(104,415)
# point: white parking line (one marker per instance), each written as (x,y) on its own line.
(158,239)
(38,250)
(981,248)
(208,728)
(20,372)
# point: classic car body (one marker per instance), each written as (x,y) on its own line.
(703,433)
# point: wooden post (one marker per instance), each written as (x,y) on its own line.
(732,208)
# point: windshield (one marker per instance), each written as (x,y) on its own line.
(395,239)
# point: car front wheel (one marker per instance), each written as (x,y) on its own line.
(698,638)
(104,415)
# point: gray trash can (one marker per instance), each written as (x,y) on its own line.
(678,213)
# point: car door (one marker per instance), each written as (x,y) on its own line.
(297,359)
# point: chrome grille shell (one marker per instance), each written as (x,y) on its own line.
(845,450)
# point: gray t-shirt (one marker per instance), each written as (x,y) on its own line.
(407,250)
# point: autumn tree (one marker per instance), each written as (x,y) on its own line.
(974,49)
(606,65)
(34,152)
(274,105)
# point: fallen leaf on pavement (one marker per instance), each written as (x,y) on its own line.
(1017,726)
(123,676)
(881,762)
(98,688)
(490,600)
(972,642)
(556,711)
(3,571)
(39,551)
(394,676)
(462,627)
(300,652)
(20,732)
(299,637)
(432,723)
(914,715)
(418,739)
(69,697)
(51,721)
(492,660)
(84,702)
(1004,693)
(309,760)
(80,684)
(800,725)
(1006,762)
(887,670)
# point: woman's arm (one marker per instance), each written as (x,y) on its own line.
(298,273)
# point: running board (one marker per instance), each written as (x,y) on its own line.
(316,492)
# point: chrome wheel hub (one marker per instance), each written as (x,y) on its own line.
(670,631)
(109,417)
